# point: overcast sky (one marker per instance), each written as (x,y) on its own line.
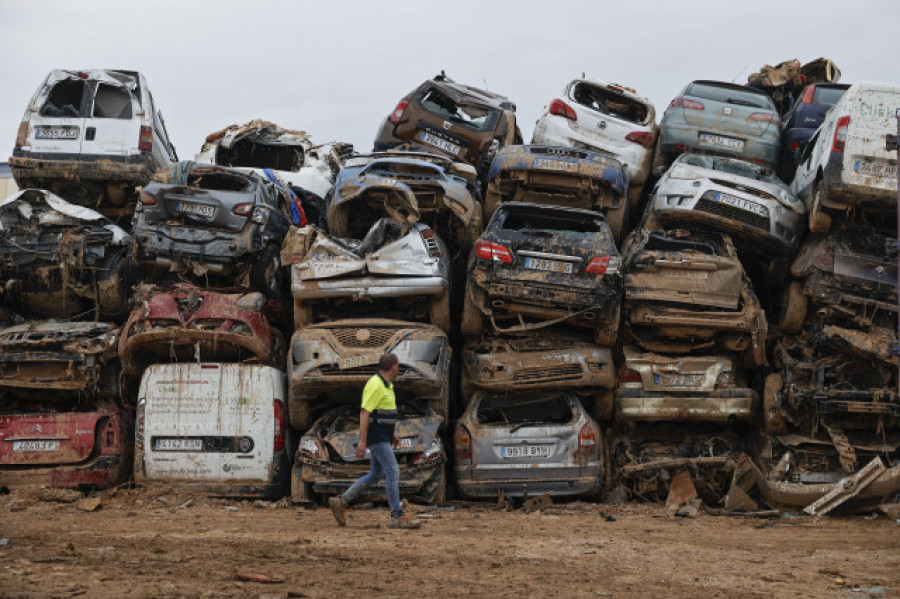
(336,68)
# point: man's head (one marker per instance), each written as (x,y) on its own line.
(388,366)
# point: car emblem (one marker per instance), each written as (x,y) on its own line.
(447,125)
(362,335)
(727,110)
(37,428)
(879,270)
(602,124)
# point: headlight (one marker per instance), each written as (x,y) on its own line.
(682,172)
(312,449)
(432,453)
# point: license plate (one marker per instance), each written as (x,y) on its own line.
(35,446)
(195,208)
(56,133)
(551,265)
(742,204)
(525,451)
(437,142)
(178,445)
(677,380)
(876,169)
(406,442)
(556,165)
(721,141)
(360,360)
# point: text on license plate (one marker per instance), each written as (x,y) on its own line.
(358,360)
(742,204)
(178,444)
(525,451)
(195,208)
(877,169)
(552,265)
(32,446)
(724,142)
(678,380)
(556,165)
(56,133)
(437,142)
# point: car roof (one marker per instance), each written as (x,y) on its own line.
(474,93)
(728,85)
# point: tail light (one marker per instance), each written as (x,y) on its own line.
(430,241)
(488,250)
(586,438)
(628,375)
(145,141)
(602,265)
(462,443)
(840,134)
(794,146)
(644,138)
(243,209)
(808,94)
(689,104)
(431,454)
(279,425)
(560,108)
(22,135)
(398,112)
(766,117)
(824,259)
(147,199)
(139,426)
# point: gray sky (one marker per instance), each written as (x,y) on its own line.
(336,69)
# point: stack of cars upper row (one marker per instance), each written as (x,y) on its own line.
(617,304)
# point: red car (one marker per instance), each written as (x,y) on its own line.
(176,324)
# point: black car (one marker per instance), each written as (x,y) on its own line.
(214,222)
(538,265)
(802,120)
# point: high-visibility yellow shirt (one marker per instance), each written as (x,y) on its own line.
(378,394)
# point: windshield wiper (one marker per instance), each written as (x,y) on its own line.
(514,427)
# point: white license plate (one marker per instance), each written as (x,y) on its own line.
(551,265)
(437,142)
(721,141)
(406,442)
(556,165)
(360,360)
(35,446)
(178,445)
(525,451)
(678,380)
(742,204)
(56,133)
(195,208)
(876,169)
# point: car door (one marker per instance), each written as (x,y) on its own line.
(112,126)
(56,115)
(805,172)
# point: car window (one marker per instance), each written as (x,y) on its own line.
(808,148)
(518,409)
(65,99)
(729,95)
(111,102)
(827,96)
(218,181)
(248,153)
(733,167)
(536,221)
(657,242)
(436,102)
(610,101)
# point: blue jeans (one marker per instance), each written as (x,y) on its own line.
(381,460)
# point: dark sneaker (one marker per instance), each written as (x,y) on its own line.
(339,509)
(403,521)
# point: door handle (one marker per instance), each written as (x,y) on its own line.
(90,133)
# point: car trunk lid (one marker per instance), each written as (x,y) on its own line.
(693,374)
(48,439)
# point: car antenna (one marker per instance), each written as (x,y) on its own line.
(582,75)
(483,80)
(740,73)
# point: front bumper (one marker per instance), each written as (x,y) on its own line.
(722,405)
(328,479)
(139,345)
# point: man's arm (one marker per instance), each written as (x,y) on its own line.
(363,433)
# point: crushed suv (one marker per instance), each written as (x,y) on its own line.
(92,137)
(214,222)
(460,121)
(59,260)
(539,265)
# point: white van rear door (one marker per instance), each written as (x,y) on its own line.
(873,115)
(56,115)
(113,123)
(247,415)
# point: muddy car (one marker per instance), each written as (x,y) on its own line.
(541,361)
(59,260)
(523,444)
(460,121)
(216,222)
(745,200)
(560,176)
(63,443)
(326,462)
(844,278)
(688,292)
(330,362)
(396,270)
(539,265)
(259,145)
(426,188)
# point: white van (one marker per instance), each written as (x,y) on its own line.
(215,428)
(91,136)
(845,164)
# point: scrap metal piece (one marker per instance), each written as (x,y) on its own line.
(847,488)
(846,453)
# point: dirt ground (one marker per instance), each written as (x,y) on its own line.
(146,542)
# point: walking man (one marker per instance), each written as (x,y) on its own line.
(377,418)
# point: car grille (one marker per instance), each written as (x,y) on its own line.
(368,370)
(377,337)
(548,373)
(730,212)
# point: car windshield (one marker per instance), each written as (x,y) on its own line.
(733,167)
(609,101)
(518,410)
(729,94)
(477,117)
(537,221)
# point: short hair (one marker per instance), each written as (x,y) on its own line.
(387,360)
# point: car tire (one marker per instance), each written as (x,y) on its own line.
(819,222)
(794,305)
(604,403)
(472,319)
(299,413)
(774,421)
(265,272)
(303,315)
(277,351)
(618,222)
(607,335)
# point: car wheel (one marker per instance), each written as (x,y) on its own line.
(303,315)
(618,221)
(439,312)
(604,402)
(299,413)
(472,319)
(265,272)
(775,423)
(277,350)
(819,222)
(607,335)
(793,309)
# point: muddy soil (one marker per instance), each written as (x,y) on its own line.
(146,543)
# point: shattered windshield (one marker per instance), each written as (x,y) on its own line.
(539,221)
(609,101)
(544,409)
(480,118)
(734,167)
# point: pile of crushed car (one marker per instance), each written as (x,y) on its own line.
(615,306)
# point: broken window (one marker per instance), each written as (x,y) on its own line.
(734,167)
(219,182)
(112,102)
(657,242)
(538,221)
(610,101)
(545,409)
(250,153)
(480,118)
(65,98)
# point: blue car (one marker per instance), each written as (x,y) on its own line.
(802,120)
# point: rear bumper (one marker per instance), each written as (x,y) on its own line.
(765,148)
(480,483)
(550,301)
(134,347)
(364,287)
(717,406)
(101,473)
(421,483)
(128,169)
(221,254)
(838,194)
(588,366)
